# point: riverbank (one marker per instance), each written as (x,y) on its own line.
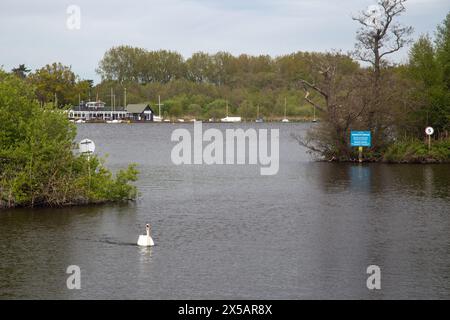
(406,152)
(416,151)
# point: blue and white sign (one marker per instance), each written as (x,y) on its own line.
(360,138)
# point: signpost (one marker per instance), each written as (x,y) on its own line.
(429,131)
(87,147)
(360,139)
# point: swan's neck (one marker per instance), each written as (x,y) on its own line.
(148,232)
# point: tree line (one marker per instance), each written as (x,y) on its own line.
(202,85)
(131,64)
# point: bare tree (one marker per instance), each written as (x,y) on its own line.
(336,88)
(379,34)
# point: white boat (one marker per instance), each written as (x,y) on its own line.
(231,119)
(80,121)
(285,120)
(180,120)
(114,121)
(157,119)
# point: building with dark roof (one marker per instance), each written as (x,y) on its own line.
(140,112)
(99,112)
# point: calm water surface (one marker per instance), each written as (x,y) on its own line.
(227,232)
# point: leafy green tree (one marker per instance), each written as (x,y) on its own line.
(21,71)
(443,58)
(430,91)
(423,65)
(222,69)
(38,166)
(443,49)
(428,65)
(216,109)
(198,66)
(195,110)
(247,110)
(169,65)
(123,63)
(55,83)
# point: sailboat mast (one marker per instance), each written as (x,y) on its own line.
(112,103)
(159,105)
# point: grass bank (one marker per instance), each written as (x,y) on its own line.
(416,151)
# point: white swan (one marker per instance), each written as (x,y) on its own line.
(146,240)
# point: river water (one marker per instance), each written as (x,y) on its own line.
(227,232)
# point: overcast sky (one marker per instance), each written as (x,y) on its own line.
(35,32)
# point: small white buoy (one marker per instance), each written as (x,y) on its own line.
(146,240)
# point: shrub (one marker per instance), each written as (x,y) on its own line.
(38,165)
(417,151)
